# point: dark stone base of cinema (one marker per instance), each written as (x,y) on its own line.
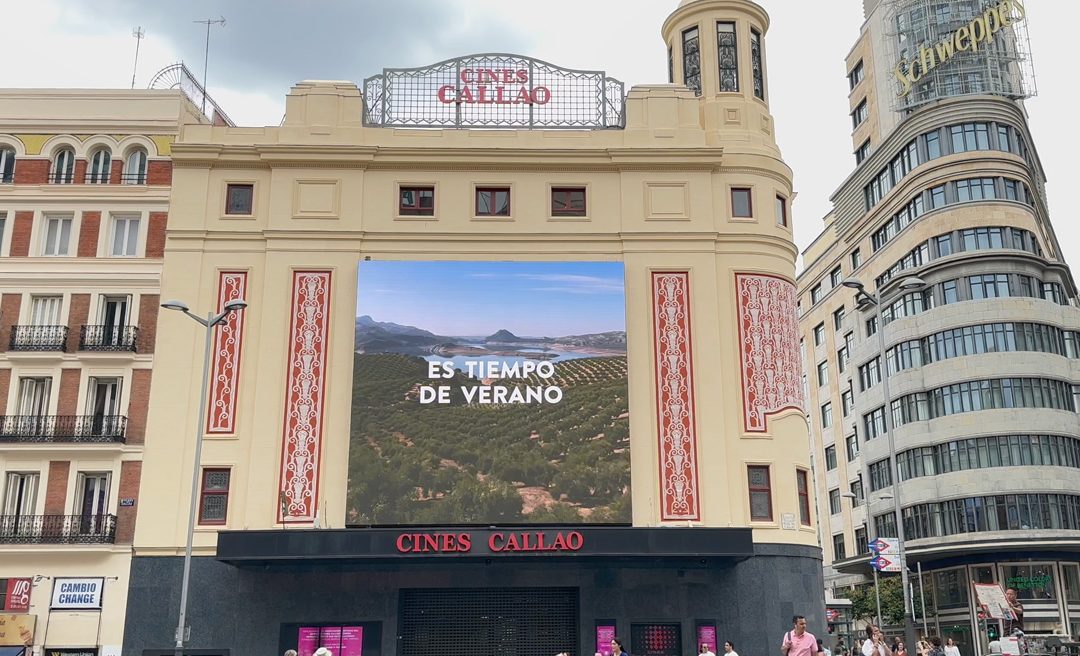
(255,611)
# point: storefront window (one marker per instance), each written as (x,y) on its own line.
(950,588)
(1030,581)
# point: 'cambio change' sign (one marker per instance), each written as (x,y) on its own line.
(77,594)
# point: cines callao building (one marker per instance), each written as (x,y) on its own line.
(518,370)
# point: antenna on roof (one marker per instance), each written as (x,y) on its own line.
(206,57)
(139,34)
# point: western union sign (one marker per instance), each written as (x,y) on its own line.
(978,32)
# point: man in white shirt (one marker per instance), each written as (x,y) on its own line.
(705,651)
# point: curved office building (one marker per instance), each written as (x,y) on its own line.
(982,357)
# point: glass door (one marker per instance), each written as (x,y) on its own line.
(104,405)
(114,318)
(92,501)
(33,406)
(20,503)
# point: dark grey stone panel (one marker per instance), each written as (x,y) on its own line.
(751,600)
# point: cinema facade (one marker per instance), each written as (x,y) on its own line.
(518,371)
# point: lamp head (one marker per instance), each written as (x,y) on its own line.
(912,283)
(179,306)
(853,283)
(235,305)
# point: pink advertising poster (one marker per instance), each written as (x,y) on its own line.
(330,637)
(605,633)
(706,635)
(307,641)
(352,640)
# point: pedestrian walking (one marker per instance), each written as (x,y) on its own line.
(703,650)
(729,648)
(617,648)
(798,641)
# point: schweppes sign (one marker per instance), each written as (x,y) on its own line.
(972,36)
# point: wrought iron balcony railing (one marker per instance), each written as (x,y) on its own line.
(108,338)
(57,529)
(61,177)
(101,177)
(91,429)
(133,178)
(38,338)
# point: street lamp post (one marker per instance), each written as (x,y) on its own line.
(906,285)
(209,323)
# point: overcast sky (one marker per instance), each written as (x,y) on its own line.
(266,45)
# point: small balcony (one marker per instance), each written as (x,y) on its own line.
(38,338)
(68,429)
(133,178)
(61,177)
(108,338)
(57,529)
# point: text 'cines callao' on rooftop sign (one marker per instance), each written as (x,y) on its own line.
(976,34)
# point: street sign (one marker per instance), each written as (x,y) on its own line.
(885,564)
(885,546)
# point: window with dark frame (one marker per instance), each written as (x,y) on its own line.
(830,457)
(856,75)
(803,483)
(7,165)
(742,205)
(838,547)
(756,67)
(416,201)
(214,496)
(239,198)
(859,115)
(863,152)
(726,48)
(781,211)
(568,201)
(492,201)
(691,60)
(760,492)
(856,259)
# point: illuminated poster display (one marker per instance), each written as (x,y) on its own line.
(489,392)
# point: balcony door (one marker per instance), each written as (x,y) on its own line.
(20,503)
(114,318)
(33,406)
(92,501)
(104,405)
(45,310)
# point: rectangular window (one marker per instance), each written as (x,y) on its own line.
(492,201)
(726,45)
(856,259)
(823,373)
(3,222)
(944,245)
(57,235)
(568,201)
(856,75)
(842,358)
(862,544)
(819,334)
(416,201)
(826,415)
(937,197)
(863,152)
(847,400)
(756,65)
(691,60)
(838,318)
(742,205)
(835,277)
(852,444)
(815,294)
(830,457)
(859,115)
(781,211)
(239,199)
(834,501)
(802,482)
(214,496)
(857,491)
(933,145)
(871,326)
(949,292)
(760,492)
(838,547)
(125,237)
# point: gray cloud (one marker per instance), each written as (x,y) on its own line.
(267,45)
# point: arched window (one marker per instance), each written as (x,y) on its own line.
(135,167)
(7,165)
(63,167)
(100,163)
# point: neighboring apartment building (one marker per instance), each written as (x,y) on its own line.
(85,178)
(983,359)
(459,528)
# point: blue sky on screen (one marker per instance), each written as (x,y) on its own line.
(530,299)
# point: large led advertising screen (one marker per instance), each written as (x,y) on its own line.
(489,392)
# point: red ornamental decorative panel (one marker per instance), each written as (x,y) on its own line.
(769,339)
(675,397)
(305,395)
(221,415)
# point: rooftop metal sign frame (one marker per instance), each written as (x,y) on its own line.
(494,91)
